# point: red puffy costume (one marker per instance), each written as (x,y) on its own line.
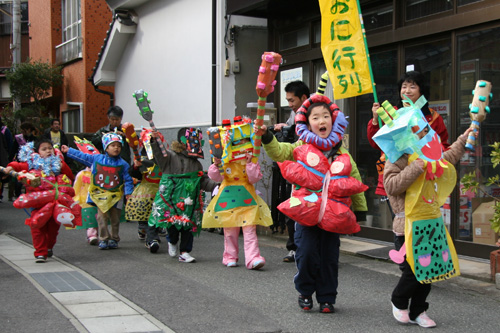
(52,204)
(311,174)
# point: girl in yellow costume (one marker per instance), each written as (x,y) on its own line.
(237,204)
(418,177)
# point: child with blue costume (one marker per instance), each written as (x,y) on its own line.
(110,180)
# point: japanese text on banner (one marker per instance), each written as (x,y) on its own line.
(344,48)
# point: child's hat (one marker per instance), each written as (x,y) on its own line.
(108,138)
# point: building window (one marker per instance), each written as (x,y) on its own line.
(295,38)
(433,60)
(71,47)
(385,74)
(380,17)
(71,120)
(466,2)
(6,18)
(477,60)
(421,8)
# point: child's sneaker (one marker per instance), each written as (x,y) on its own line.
(232,264)
(50,253)
(93,241)
(403,316)
(305,302)
(141,234)
(326,307)
(290,257)
(258,265)
(153,246)
(423,320)
(112,244)
(103,245)
(40,259)
(172,250)
(186,257)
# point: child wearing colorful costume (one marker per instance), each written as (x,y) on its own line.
(320,126)
(140,203)
(418,177)
(178,204)
(52,201)
(236,204)
(110,174)
(81,187)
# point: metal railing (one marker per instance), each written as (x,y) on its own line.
(69,50)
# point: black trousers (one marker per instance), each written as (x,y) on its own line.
(186,236)
(408,290)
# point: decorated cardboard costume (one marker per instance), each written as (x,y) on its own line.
(81,187)
(140,203)
(110,177)
(236,204)
(322,190)
(179,202)
(428,246)
(51,202)
(52,198)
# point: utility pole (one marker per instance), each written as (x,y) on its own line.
(16,42)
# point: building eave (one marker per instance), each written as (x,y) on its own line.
(112,50)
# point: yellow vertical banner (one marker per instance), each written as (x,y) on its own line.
(344,48)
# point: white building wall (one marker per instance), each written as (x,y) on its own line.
(170,58)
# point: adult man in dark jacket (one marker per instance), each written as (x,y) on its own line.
(115,115)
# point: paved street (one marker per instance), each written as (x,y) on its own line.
(208,297)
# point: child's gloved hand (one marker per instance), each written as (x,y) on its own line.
(259,130)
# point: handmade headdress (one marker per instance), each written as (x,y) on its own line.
(108,138)
(339,121)
(399,136)
(231,147)
(193,139)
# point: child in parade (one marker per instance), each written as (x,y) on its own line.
(418,177)
(52,200)
(178,203)
(81,187)
(110,174)
(236,204)
(320,127)
(140,203)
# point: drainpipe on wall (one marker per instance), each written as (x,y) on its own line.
(214,62)
(109,93)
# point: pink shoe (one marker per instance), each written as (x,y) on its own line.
(423,320)
(403,316)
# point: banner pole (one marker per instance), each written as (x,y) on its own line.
(375,98)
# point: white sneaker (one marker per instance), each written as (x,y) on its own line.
(403,316)
(172,250)
(186,257)
(423,320)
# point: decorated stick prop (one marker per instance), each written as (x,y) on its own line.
(143,103)
(265,85)
(24,177)
(132,139)
(323,81)
(215,145)
(478,109)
